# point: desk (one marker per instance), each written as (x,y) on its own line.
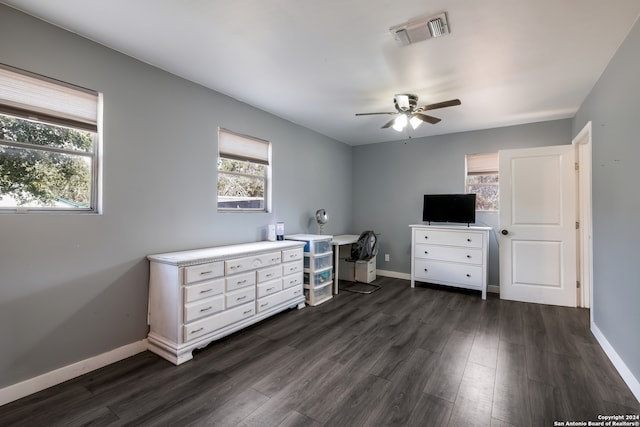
(343,239)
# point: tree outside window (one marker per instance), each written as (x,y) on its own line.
(482,178)
(48,144)
(44,166)
(243,172)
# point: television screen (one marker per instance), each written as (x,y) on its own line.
(459,208)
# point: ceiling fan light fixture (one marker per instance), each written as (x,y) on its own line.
(400,122)
(415,122)
(403,102)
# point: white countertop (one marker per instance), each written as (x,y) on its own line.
(219,252)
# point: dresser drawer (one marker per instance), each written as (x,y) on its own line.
(203,290)
(449,253)
(292,280)
(240,281)
(292,267)
(240,296)
(196,273)
(292,255)
(217,321)
(279,298)
(206,307)
(269,273)
(269,288)
(238,265)
(466,275)
(451,238)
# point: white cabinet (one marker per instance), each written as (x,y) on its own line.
(198,296)
(450,255)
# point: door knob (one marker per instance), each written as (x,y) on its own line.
(504,232)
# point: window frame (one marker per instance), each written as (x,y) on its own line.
(482,164)
(32,97)
(236,146)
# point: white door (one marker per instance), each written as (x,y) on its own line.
(537,225)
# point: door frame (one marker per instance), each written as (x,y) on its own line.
(582,142)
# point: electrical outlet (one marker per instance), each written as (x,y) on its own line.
(386,257)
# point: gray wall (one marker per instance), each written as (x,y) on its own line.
(613,106)
(391,178)
(74,286)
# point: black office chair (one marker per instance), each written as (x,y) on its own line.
(364,249)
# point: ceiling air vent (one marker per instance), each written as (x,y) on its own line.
(420,29)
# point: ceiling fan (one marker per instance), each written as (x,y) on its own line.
(409,112)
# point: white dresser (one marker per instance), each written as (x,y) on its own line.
(198,296)
(450,255)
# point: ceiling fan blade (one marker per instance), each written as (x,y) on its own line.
(428,119)
(450,103)
(388,124)
(371,114)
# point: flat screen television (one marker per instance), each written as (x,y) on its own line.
(460,208)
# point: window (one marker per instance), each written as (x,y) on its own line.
(243,172)
(482,179)
(48,144)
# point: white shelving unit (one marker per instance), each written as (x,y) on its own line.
(318,267)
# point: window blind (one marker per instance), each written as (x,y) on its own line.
(30,96)
(235,146)
(478,164)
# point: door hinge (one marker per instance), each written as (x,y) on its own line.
(577,225)
(577,166)
(578,284)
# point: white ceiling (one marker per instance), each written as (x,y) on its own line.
(317,63)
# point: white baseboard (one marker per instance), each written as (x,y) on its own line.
(493,289)
(617,361)
(393,274)
(57,376)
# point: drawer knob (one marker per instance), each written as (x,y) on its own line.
(270,289)
(205,272)
(468,240)
(426,252)
(426,269)
(246,312)
(469,256)
(468,275)
(241,298)
(202,310)
(205,291)
(195,331)
(426,237)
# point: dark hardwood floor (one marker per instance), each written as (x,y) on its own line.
(398,357)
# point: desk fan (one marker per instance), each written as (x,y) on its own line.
(321,218)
